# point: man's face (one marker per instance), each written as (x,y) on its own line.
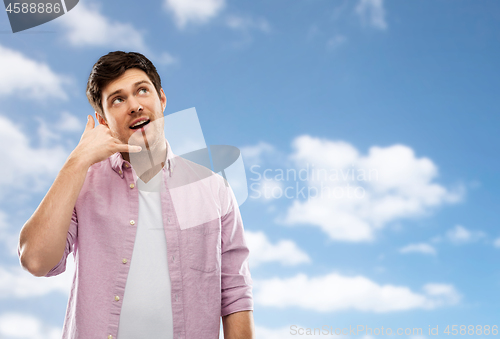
(130,104)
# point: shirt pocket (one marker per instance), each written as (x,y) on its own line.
(204,247)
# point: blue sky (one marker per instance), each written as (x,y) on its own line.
(403,88)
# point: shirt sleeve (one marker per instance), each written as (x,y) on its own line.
(236,283)
(70,246)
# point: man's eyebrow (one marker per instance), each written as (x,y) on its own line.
(115,92)
(142,82)
(135,85)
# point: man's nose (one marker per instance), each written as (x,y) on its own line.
(134,105)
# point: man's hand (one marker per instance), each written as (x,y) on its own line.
(43,238)
(239,325)
(99,143)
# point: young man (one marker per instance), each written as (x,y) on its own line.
(158,240)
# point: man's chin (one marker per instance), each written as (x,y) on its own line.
(146,141)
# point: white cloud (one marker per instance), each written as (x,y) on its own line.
(265,190)
(443,290)
(336,41)
(7,236)
(419,248)
(334,292)
(166,59)
(318,151)
(261,183)
(340,221)
(497,242)
(86,26)
(18,283)
(45,133)
(51,131)
(313,31)
(193,11)
(252,155)
(262,250)
(23,326)
(23,76)
(436,239)
(461,235)
(372,12)
(69,123)
(247,23)
(23,165)
(350,196)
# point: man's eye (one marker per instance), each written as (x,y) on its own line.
(143,90)
(117,100)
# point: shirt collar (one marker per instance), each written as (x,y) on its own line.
(118,164)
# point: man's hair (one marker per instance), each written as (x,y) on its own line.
(110,67)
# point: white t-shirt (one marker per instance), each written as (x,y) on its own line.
(147,305)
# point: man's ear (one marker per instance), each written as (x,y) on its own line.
(101,119)
(163,99)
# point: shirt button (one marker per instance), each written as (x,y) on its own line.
(120,171)
(132,185)
(124,260)
(110,336)
(132,222)
(117,298)
(127,165)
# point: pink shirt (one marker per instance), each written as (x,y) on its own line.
(206,249)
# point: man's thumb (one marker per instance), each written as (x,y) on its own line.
(90,122)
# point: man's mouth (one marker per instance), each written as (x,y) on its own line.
(140,124)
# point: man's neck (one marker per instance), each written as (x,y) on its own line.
(148,163)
